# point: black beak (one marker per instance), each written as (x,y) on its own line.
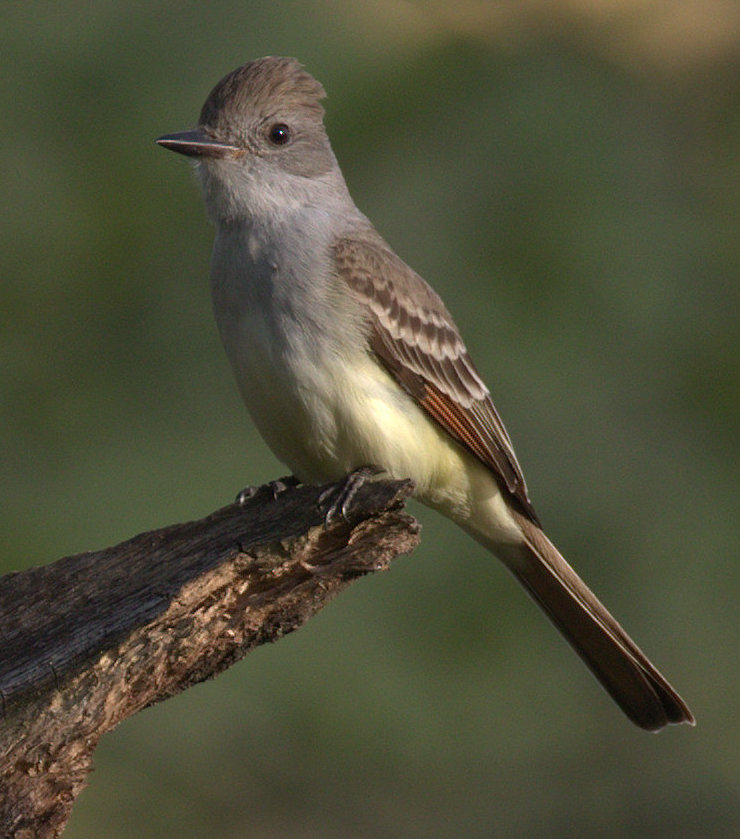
(197,143)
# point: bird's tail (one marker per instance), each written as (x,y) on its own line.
(613,657)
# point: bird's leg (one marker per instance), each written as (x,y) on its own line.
(341,496)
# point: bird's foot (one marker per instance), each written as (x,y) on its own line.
(341,496)
(276,488)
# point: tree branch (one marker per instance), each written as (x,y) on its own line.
(93,638)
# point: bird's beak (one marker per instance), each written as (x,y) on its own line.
(197,143)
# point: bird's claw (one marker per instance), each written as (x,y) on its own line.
(343,495)
(276,488)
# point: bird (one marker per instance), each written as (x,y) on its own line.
(350,363)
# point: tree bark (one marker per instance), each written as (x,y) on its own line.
(90,639)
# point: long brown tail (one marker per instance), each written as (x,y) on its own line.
(614,658)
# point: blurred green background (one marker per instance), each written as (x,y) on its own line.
(567,175)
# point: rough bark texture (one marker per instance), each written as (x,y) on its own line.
(91,639)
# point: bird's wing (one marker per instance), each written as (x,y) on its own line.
(415,338)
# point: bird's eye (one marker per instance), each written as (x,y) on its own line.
(279,134)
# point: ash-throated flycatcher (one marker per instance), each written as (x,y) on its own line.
(346,358)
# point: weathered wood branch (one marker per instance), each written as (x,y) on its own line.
(91,639)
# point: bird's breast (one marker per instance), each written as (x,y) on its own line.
(322,401)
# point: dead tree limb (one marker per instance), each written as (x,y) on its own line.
(91,639)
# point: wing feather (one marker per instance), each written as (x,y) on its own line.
(414,336)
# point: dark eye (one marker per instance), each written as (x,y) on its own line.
(279,134)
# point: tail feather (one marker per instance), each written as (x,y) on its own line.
(618,663)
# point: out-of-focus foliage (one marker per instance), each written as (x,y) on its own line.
(567,176)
